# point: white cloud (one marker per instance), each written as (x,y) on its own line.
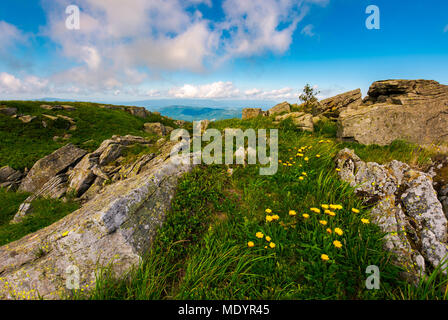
(10,84)
(308,30)
(10,35)
(227,90)
(214,90)
(122,44)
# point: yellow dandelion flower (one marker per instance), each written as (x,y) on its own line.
(329,231)
(272,245)
(337,169)
(292,213)
(317,155)
(316,210)
(268,218)
(304,174)
(325,206)
(65,234)
(324,257)
(250,244)
(268,210)
(306,215)
(306,159)
(301,178)
(259,235)
(338,231)
(337,244)
(275,217)
(365,221)
(268,238)
(323,222)
(355,210)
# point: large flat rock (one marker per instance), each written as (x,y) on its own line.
(412,110)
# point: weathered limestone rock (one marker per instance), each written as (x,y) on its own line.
(334,105)
(49,107)
(304,122)
(68,108)
(7,111)
(89,169)
(406,208)
(412,110)
(10,178)
(289,115)
(50,166)
(155,128)
(27,118)
(55,188)
(280,108)
(138,111)
(250,113)
(115,228)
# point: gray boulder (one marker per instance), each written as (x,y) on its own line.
(50,166)
(406,208)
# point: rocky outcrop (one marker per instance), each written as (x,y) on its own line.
(10,178)
(8,111)
(250,113)
(55,188)
(406,208)
(279,108)
(116,228)
(302,120)
(50,166)
(412,110)
(332,107)
(155,128)
(92,168)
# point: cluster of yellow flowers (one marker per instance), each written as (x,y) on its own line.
(260,235)
(270,217)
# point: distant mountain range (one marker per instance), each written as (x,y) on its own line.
(192,109)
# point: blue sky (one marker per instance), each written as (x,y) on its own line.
(229,49)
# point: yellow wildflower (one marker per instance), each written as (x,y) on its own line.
(275,217)
(317,155)
(65,234)
(365,221)
(355,210)
(250,244)
(292,213)
(259,235)
(324,257)
(306,215)
(301,178)
(268,238)
(268,218)
(329,231)
(306,159)
(323,222)
(268,210)
(337,244)
(272,245)
(324,206)
(338,231)
(316,210)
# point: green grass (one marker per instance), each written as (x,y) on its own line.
(22,144)
(201,252)
(45,212)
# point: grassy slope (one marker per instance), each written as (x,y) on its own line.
(22,144)
(201,252)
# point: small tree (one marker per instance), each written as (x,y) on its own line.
(309,99)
